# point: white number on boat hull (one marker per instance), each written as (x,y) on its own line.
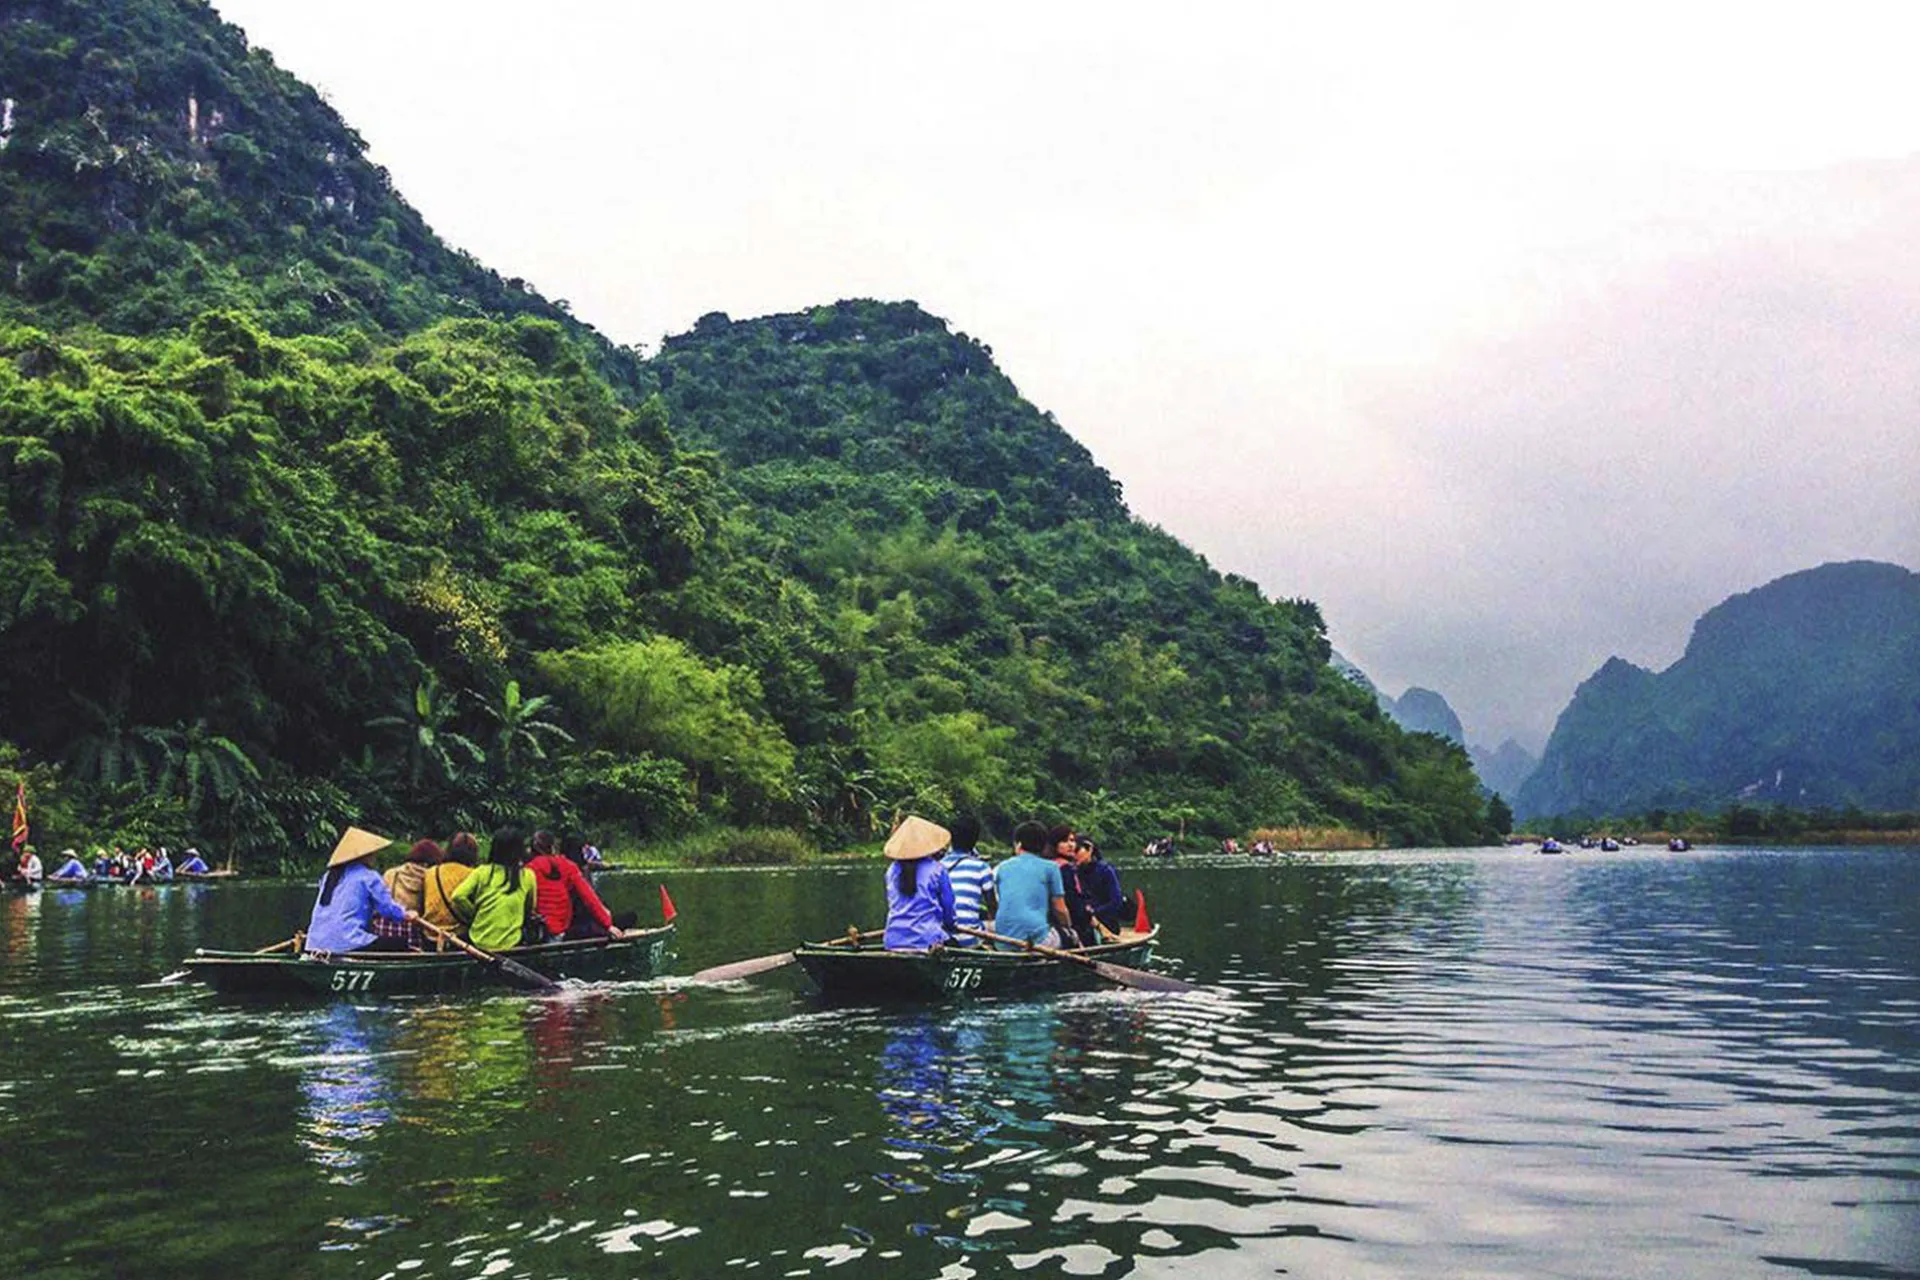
(962,979)
(346,981)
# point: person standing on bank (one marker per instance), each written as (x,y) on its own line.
(351,895)
(971,877)
(919,895)
(1031,894)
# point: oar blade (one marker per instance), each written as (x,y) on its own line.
(1141,979)
(521,976)
(744,968)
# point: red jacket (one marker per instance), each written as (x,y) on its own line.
(556,881)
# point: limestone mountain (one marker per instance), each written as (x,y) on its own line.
(1803,692)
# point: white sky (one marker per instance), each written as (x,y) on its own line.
(1514,337)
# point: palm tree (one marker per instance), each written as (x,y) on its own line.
(197,764)
(113,751)
(519,724)
(431,747)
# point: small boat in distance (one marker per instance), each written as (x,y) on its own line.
(1679,844)
(1550,845)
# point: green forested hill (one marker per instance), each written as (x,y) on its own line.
(305,517)
(157,166)
(1802,693)
(989,594)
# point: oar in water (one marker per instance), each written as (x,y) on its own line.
(520,975)
(1139,979)
(761,964)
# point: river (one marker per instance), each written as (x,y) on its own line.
(1475,1063)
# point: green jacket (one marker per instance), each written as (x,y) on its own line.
(493,912)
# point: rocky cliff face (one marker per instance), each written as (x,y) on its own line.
(1505,768)
(1804,692)
(1424,711)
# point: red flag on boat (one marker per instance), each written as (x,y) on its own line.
(20,816)
(667,910)
(1140,922)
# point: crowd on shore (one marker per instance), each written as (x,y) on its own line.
(524,891)
(1054,890)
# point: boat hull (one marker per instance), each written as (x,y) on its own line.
(640,955)
(870,972)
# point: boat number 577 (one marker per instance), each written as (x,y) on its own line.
(961,979)
(345,981)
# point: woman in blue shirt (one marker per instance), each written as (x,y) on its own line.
(351,894)
(919,895)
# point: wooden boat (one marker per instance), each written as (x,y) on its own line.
(866,970)
(641,954)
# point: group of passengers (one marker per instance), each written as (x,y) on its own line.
(1055,889)
(523,893)
(146,866)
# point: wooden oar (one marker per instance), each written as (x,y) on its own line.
(761,964)
(513,969)
(1139,979)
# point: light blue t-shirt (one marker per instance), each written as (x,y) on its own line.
(1027,885)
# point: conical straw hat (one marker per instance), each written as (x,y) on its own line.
(916,838)
(356,844)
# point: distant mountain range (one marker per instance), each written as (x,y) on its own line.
(1501,769)
(1803,692)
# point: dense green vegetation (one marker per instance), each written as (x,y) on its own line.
(306,518)
(1803,693)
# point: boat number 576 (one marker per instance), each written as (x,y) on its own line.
(345,981)
(961,979)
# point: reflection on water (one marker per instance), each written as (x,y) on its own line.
(1454,1063)
(347,1088)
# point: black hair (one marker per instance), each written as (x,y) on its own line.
(966,831)
(1055,836)
(508,851)
(1030,837)
(907,876)
(331,883)
(573,847)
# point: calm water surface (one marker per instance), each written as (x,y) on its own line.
(1486,1063)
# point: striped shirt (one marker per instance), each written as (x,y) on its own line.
(970,875)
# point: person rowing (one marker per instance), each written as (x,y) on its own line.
(919,894)
(351,895)
(71,871)
(194,865)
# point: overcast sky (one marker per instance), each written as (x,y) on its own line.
(1514,337)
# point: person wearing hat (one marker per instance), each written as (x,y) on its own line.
(919,895)
(351,895)
(30,871)
(195,865)
(72,871)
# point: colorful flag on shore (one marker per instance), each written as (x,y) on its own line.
(20,816)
